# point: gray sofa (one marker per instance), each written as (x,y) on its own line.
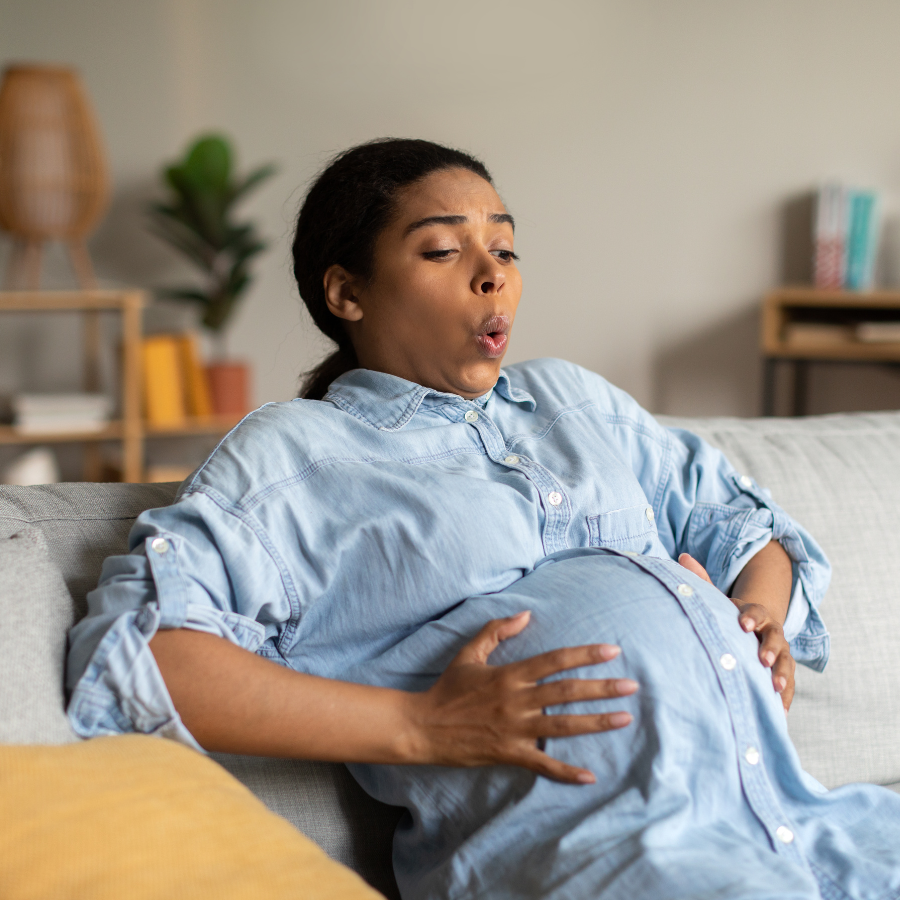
(838,475)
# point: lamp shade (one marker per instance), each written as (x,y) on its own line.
(53,174)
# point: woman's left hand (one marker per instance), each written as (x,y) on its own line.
(774,650)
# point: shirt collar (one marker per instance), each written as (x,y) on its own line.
(388,402)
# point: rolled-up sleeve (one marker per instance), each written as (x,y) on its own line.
(723,519)
(194,565)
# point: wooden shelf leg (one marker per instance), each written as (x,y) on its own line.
(33,256)
(15,265)
(133,439)
(768,388)
(81,263)
(801,386)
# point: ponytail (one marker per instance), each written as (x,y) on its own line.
(316,381)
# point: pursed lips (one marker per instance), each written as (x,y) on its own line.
(493,336)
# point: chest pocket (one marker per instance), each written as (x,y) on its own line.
(633,528)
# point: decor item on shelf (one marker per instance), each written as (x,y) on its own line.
(197,220)
(176,385)
(37,466)
(53,174)
(846,232)
(61,413)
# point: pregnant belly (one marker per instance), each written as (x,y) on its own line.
(648,774)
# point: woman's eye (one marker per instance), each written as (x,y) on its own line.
(505,255)
(437,254)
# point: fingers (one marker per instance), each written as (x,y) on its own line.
(574,690)
(774,650)
(559,726)
(538,667)
(691,564)
(538,762)
(485,642)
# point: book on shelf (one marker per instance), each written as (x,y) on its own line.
(878,332)
(846,234)
(61,413)
(175,385)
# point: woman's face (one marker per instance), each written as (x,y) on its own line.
(441,301)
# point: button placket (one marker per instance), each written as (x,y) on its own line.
(557,512)
(757,788)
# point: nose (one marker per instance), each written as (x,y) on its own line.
(489,277)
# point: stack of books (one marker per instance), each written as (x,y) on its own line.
(174,380)
(61,413)
(846,232)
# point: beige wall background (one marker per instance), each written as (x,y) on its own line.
(649,150)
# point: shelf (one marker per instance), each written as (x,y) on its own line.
(810,296)
(835,311)
(849,351)
(9,434)
(74,301)
(211,425)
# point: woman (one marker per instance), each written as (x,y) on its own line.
(366,532)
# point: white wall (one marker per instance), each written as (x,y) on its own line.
(647,149)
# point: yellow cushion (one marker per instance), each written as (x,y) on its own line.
(140,817)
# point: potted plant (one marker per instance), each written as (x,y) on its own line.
(197,219)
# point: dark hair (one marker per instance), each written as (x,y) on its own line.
(345,210)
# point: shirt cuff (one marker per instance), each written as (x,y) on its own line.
(122,689)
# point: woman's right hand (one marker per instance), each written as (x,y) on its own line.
(477,714)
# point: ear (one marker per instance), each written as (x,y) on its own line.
(341,293)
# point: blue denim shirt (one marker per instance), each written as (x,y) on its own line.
(319,533)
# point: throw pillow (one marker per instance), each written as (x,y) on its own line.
(142,817)
(35,614)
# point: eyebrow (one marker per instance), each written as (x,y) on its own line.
(497,218)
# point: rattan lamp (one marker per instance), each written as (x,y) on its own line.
(53,174)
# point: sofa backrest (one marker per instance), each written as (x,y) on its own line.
(839,476)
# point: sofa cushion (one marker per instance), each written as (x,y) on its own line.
(35,614)
(140,817)
(839,476)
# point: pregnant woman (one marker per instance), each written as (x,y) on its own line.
(321,586)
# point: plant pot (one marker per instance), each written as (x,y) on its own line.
(229,388)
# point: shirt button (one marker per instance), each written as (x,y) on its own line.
(746,481)
(685,590)
(554,498)
(511,460)
(727,661)
(159,545)
(649,514)
(471,416)
(631,553)
(784,834)
(751,754)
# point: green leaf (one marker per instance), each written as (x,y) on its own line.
(208,164)
(188,294)
(253,180)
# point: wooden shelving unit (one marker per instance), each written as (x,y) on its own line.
(129,429)
(801,325)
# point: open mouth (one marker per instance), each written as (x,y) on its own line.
(493,336)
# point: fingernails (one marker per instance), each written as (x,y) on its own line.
(521,615)
(780,683)
(748,624)
(585,778)
(619,719)
(606,652)
(626,686)
(768,658)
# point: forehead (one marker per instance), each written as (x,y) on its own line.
(448,192)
